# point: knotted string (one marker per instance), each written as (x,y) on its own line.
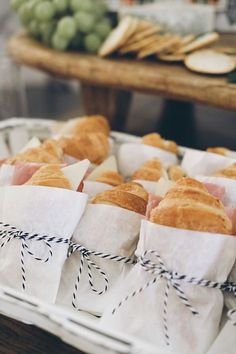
(85,257)
(158,269)
(8,233)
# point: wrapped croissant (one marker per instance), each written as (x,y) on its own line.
(49,152)
(49,176)
(228,172)
(188,205)
(130,196)
(92,146)
(86,125)
(112,178)
(151,170)
(175,173)
(154,139)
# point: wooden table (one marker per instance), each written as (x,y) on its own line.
(107,84)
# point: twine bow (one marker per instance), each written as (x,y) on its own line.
(8,233)
(231,315)
(152,263)
(85,257)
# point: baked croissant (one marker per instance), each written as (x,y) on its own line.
(218,150)
(111,177)
(228,172)
(188,205)
(49,152)
(92,146)
(154,139)
(49,176)
(131,196)
(91,124)
(150,171)
(175,173)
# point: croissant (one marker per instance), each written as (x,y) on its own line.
(111,177)
(175,173)
(91,124)
(49,176)
(188,205)
(130,196)
(218,150)
(150,171)
(92,146)
(154,139)
(49,152)
(228,172)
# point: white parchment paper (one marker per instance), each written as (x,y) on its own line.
(197,254)
(204,163)
(131,156)
(42,210)
(93,188)
(106,229)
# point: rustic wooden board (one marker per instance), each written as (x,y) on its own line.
(168,80)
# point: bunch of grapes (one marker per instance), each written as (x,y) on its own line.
(65,24)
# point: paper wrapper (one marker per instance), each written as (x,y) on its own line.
(106,229)
(196,254)
(229,185)
(6,174)
(93,188)
(45,211)
(204,163)
(150,186)
(131,156)
(225,341)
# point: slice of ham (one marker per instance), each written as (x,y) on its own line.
(231,212)
(24,171)
(215,190)
(153,202)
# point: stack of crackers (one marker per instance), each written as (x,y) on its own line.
(144,38)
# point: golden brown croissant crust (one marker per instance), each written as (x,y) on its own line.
(188,205)
(49,176)
(49,152)
(91,124)
(92,146)
(111,177)
(175,173)
(154,139)
(130,196)
(150,171)
(228,172)
(218,150)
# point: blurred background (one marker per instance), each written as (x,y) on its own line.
(48,97)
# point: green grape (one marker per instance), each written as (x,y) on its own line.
(34,28)
(25,12)
(59,42)
(44,11)
(85,22)
(60,6)
(66,27)
(15,4)
(46,31)
(99,9)
(103,28)
(92,43)
(82,5)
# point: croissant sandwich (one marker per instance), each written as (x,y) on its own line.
(90,124)
(218,150)
(228,172)
(92,146)
(110,177)
(175,173)
(151,170)
(49,176)
(154,139)
(131,196)
(188,205)
(49,152)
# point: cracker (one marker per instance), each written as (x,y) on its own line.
(209,62)
(200,42)
(139,45)
(141,35)
(152,49)
(172,57)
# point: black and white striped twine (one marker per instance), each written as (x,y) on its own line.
(173,279)
(85,257)
(232,316)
